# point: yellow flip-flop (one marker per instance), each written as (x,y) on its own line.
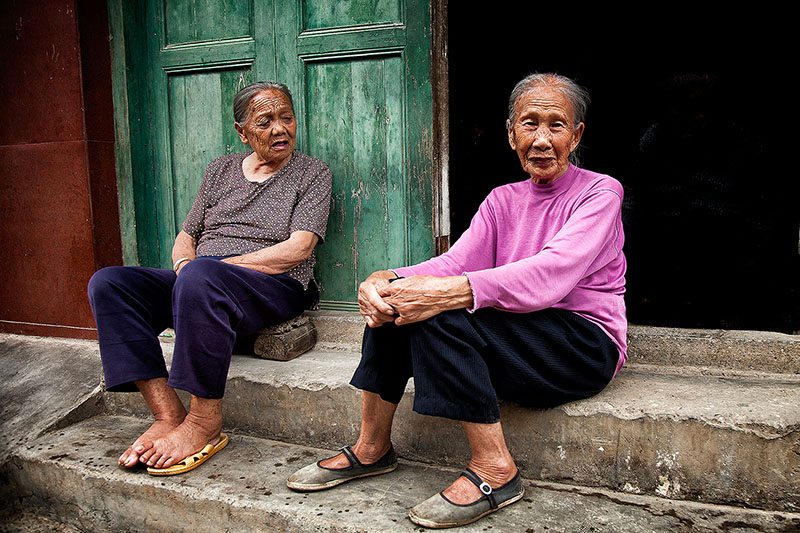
(191,462)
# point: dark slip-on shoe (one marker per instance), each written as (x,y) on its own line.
(316,477)
(439,512)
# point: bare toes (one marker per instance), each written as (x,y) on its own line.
(163,462)
(148,457)
(128,459)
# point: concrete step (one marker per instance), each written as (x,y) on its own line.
(693,350)
(46,383)
(715,351)
(703,438)
(70,476)
(26,522)
(731,439)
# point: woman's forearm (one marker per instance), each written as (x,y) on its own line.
(421,297)
(280,257)
(183,251)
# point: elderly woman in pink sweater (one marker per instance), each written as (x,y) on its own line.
(526,306)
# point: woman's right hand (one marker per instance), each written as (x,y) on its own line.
(375,311)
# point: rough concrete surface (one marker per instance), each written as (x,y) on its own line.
(655,431)
(45,381)
(728,441)
(25,522)
(71,476)
(761,351)
(338,331)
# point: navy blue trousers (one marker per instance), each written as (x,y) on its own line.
(463,363)
(209,305)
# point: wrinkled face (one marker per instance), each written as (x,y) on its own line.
(543,134)
(270,131)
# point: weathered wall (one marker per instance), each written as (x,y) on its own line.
(58,207)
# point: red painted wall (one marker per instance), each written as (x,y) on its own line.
(59,217)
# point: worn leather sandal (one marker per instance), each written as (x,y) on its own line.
(439,512)
(317,477)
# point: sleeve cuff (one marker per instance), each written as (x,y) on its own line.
(475,304)
(402,272)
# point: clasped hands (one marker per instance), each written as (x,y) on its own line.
(412,299)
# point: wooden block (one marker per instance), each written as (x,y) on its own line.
(286,340)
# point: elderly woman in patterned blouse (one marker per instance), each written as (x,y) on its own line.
(243,261)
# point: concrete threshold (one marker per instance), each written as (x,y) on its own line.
(753,351)
(704,438)
(730,438)
(720,350)
(70,477)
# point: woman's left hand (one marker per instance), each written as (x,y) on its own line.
(418,298)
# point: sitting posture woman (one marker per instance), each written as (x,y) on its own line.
(526,306)
(243,261)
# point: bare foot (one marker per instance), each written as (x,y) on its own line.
(464,491)
(184,440)
(160,428)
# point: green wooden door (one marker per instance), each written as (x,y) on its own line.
(360,74)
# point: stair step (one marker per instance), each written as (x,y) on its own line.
(749,351)
(26,522)
(695,350)
(728,437)
(45,383)
(704,438)
(70,476)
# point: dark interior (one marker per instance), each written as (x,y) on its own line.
(690,111)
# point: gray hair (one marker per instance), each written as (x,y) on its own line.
(241,102)
(577,96)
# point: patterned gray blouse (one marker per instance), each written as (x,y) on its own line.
(234,216)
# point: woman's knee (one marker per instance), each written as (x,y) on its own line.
(446,331)
(198,280)
(104,281)
(199,272)
(201,268)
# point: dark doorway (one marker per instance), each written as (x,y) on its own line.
(692,113)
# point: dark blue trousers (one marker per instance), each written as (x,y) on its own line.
(462,363)
(209,305)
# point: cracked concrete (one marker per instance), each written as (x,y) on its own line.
(703,435)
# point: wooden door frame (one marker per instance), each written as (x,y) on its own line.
(440,88)
(124,158)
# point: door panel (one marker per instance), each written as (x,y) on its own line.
(206,20)
(355,125)
(328,14)
(200,118)
(366,80)
(359,72)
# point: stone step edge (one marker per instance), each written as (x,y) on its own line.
(688,513)
(711,372)
(725,349)
(752,351)
(647,434)
(320,370)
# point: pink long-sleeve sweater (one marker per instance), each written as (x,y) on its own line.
(535,246)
